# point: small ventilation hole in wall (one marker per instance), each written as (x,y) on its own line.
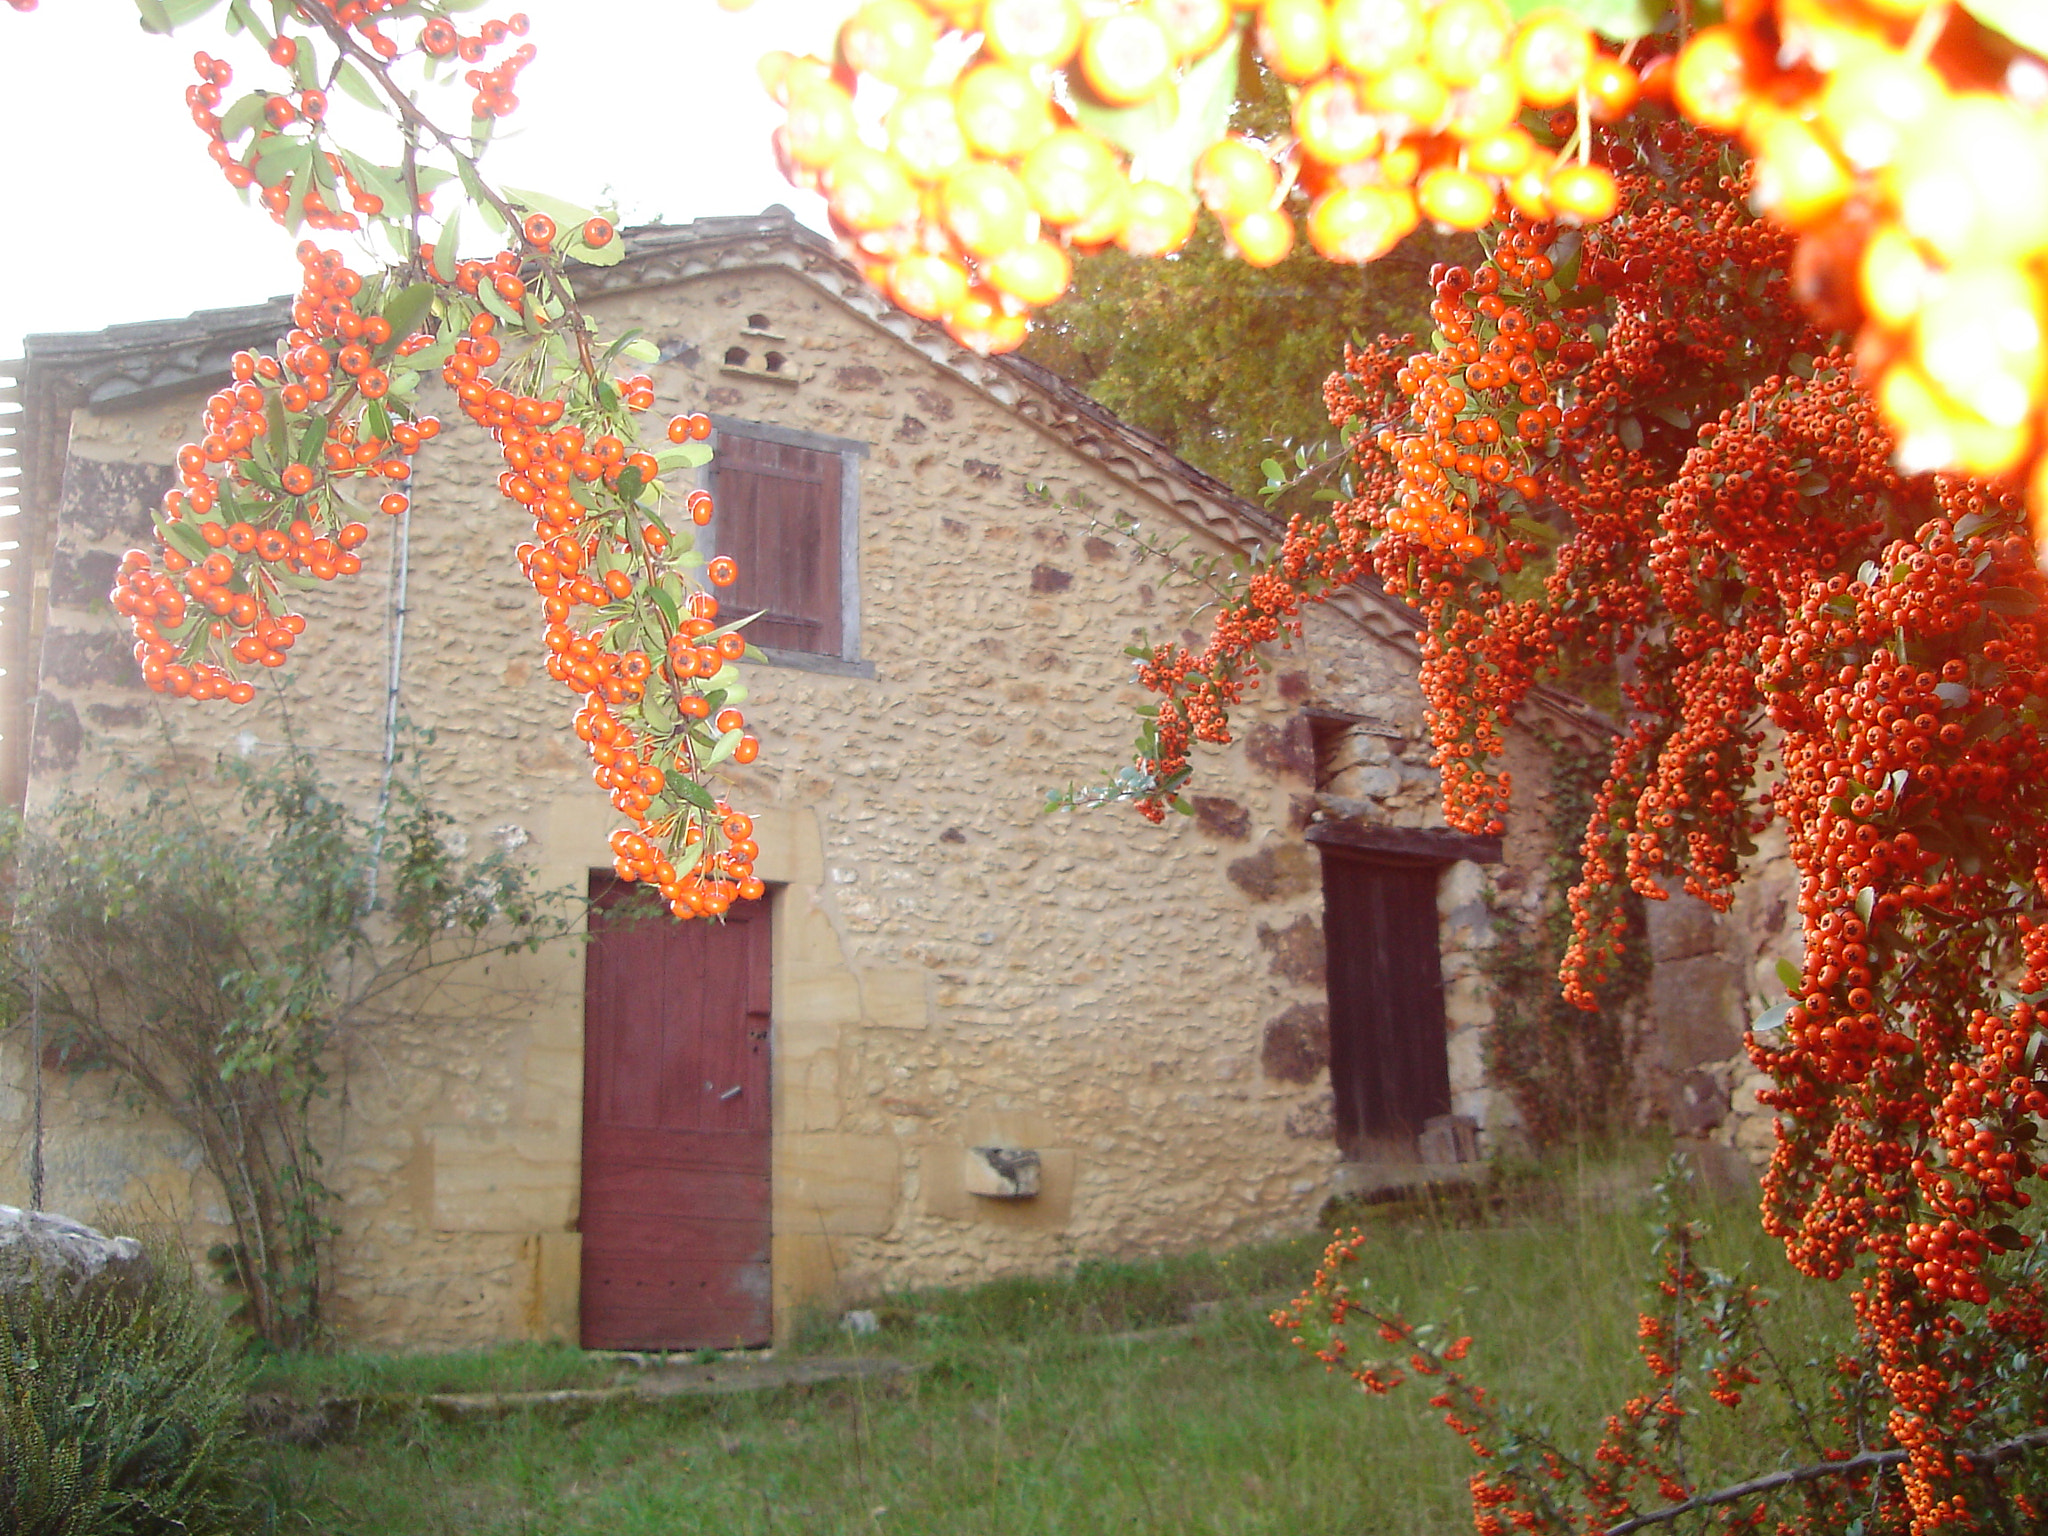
(774,362)
(757,322)
(735,357)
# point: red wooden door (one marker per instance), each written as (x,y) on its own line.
(675,1127)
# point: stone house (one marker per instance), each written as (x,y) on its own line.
(1198,1031)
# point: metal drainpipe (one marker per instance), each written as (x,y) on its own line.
(392,683)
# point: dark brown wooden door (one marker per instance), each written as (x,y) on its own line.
(1389,1067)
(778,517)
(675,1127)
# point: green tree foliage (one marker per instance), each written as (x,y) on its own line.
(1210,355)
(211,945)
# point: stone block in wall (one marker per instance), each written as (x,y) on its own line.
(1276,871)
(895,997)
(807,1091)
(1698,1103)
(554,1262)
(1696,1009)
(804,1271)
(1285,751)
(817,994)
(1295,1046)
(788,836)
(492,1178)
(1297,952)
(1680,927)
(804,934)
(837,1183)
(942,1167)
(1468,1003)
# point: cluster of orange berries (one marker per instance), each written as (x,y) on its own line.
(439,37)
(988,166)
(251,513)
(594,545)
(1908,144)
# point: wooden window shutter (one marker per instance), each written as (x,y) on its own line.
(778,517)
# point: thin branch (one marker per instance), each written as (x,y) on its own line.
(1873,1461)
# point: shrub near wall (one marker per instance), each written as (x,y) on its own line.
(121,1415)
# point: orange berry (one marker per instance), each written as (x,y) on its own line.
(1333,124)
(1125,57)
(1550,56)
(924,134)
(1032,32)
(1717,76)
(927,285)
(1001,110)
(821,125)
(1467,38)
(1263,237)
(869,190)
(1583,194)
(1158,221)
(1294,38)
(1611,88)
(1068,174)
(1034,273)
(1193,28)
(1233,177)
(986,208)
(1360,224)
(890,40)
(1456,198)
(1374,36)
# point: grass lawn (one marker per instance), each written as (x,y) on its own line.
(1032,1415)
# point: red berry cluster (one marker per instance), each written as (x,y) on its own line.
(651,722)
(259,510)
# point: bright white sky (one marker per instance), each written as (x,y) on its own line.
(114,213)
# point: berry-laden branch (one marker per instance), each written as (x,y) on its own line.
(968,147)
(304,445)
(1702,1341)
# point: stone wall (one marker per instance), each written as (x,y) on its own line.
(1142,1005)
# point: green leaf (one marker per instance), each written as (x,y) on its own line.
(315,438)
(683,456)
(727,745)
(641,351)
(186,540)
(406,308)
(693,792)
(1167,133)
(284,159)
(1630,431)
(630,483)
(154,17)
(245,114)
(666,602)
(480,195)
(353,81)
(2013,602)
(574,247)
(446,245)
(1789,976)
(379,180)
(567,216)
(2024,21)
